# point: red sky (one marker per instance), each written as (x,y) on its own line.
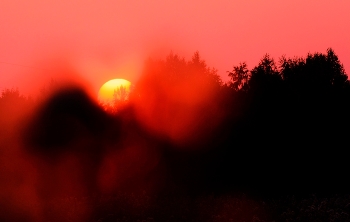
(111,39)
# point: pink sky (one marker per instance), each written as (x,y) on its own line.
(111,39)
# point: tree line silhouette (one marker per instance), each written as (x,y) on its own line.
(294,122)
(283,127)
(276,129)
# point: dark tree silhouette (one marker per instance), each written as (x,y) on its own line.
(239,77)
(198,66)
(12,96)
(13,105)
(290,113)
(265,76)
(175,70)
(120,94)
(318,73)
(177,92)
(273,133)
(119,102)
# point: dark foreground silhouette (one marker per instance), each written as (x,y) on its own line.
(271,144)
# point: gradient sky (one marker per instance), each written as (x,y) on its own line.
(111,39)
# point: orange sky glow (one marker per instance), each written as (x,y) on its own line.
(102,40)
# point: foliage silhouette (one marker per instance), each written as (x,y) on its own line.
(172,94)
(239,77)
(273,131)
(119,102)
(12,105)
(293,111)
(13,97)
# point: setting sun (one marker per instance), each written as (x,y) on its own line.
(174,110)
(114,89)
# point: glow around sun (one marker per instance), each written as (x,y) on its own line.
(115,89)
